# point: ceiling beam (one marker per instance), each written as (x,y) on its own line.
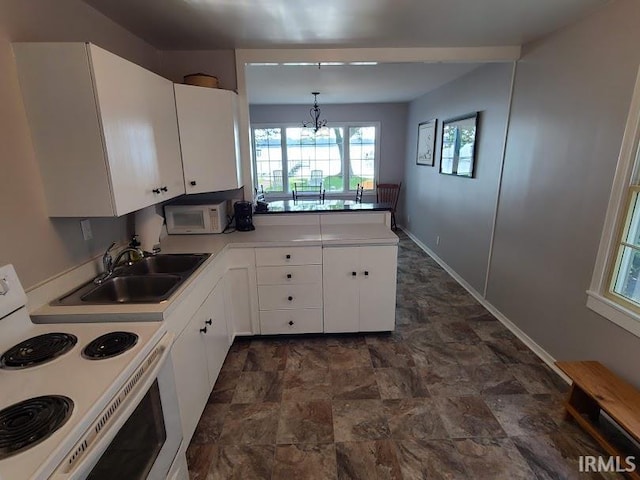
(383,55)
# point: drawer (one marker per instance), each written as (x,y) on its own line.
(288,256)
(305,320)
(277,297)
(294,274)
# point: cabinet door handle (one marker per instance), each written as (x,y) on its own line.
(156,190)
(288,275)
(208,322)
(203,330)
(353,274)
(164,189)
(366,273)
(287,256)
(290,298)
(192,183)
(290,322)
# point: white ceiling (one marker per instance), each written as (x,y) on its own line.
(258,24)
(390,82)
(215,24)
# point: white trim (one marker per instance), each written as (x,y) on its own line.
(503,155)
(616,313)
(623,178)
(545,356)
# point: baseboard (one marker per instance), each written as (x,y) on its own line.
(545,356)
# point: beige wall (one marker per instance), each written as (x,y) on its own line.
(571,99)
(37,246)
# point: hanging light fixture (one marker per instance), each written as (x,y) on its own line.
(314,112)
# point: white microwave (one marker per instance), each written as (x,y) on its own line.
(194,219)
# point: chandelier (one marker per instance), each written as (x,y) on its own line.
(314,112)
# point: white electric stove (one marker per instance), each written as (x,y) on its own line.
(76,399)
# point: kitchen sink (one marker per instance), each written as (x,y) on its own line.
(176,264)
(134,289)
(150,280)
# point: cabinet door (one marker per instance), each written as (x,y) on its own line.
(377,274)
(215,336)
(191,375)
(207,121)
(124,103)
(162,105)
(340,289)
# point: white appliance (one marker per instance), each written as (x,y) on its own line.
(194,219)
(67,415)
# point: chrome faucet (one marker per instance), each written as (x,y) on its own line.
(109,264)
(129,251)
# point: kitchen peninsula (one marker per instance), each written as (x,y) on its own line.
(319,206)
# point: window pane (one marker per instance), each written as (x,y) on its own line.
(626,281)
(362,151)
(315,159)
(267,150)
(632,230)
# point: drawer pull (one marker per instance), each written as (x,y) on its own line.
(209,322)
(164,189)
(193,183)
(288,275)
(290,322)
(156,191)
(366,273)
(290,298)
(353,274)
(203,330)
(287,256)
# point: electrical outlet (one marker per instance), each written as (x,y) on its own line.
(438,240)
(85,225)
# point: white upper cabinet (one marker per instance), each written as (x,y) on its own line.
(208,123)
(104,129)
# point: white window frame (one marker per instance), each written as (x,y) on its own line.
(626,175)
(345,126)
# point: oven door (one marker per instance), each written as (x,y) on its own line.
(141,437)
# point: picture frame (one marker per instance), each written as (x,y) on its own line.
(426,143)
(458,146)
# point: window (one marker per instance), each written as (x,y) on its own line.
(615,287)
(338,157)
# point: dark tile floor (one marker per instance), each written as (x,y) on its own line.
(451,394)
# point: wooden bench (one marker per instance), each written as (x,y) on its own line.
(596,388)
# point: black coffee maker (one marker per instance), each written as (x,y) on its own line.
(243,212)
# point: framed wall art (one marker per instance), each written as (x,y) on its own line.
(426,143)
(458,148)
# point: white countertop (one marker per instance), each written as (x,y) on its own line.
(263,236)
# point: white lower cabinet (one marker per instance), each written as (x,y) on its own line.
(191,375)
(289,289)
(359,288)
(198,354)
(214,332)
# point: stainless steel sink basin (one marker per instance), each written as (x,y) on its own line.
(150,280)
(134,289)
(176,264)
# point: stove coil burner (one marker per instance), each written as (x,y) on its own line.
(37,350)
(110,345)
(25,424)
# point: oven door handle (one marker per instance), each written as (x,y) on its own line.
(86,457)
